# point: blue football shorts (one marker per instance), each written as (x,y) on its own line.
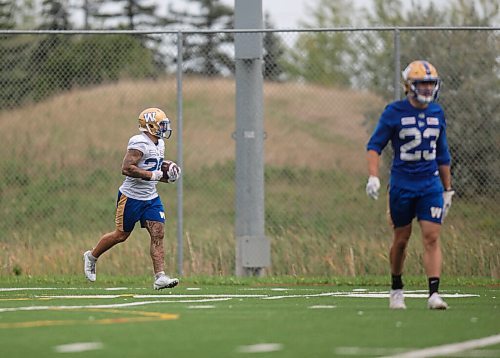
(404,205)
(129,211)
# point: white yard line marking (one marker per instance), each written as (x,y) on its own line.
(301,296)
(479,353)
(378,351)
(360,293)
(266,288)
(78,347)
(265,297)
(322,306)
(65,288)
(81,296)
(367,351)
(200,296)
(260,348)
(407,295)
(449,348)
(28,288)
(357,292)
(131,295)
(129,304)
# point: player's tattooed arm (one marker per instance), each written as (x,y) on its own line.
(129,165)
(156,230)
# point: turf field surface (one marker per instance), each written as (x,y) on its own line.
(243,320)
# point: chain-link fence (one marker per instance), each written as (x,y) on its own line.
(70,102)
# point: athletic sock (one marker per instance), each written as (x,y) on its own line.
(433,285)
(397,282)
(92,257)
(158,274)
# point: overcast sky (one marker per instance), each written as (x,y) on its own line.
(289,13)
(284,13)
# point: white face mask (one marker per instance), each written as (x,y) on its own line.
(424,93)
(164,129)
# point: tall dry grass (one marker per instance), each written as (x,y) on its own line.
(212,252)
(318,218)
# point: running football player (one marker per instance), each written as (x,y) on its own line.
(138,198)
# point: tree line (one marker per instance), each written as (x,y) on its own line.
(32,62)
(468,62)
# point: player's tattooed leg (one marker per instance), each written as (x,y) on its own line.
(156,231)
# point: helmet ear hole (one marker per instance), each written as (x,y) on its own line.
(150,129)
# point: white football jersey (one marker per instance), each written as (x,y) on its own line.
(153,154)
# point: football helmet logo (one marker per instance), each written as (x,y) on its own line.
(155,121)
(417,72)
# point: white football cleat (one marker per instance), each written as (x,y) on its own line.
(89,267)
(165,282)
(397,300)
(435,302)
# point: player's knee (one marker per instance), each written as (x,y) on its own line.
(431,240)
(401,244)
(401,238)
(157,236)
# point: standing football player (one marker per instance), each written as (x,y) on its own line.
(138,199)
(420,180)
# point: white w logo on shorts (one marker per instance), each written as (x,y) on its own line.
(436,212)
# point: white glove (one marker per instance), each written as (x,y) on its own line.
(447,195)
(156,175)
(372,187)
(174,173)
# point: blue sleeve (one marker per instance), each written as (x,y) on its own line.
(382,133)
(442,152)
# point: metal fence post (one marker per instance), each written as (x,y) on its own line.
(397,64)
(252,247)
(180,217)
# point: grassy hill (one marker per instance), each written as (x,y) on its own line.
(60,172)
(67,129)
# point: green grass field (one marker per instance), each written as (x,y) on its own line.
(229,317)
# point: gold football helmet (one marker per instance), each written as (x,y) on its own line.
(421,71)
(155,121)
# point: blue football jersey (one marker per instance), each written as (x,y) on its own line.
(418,139)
